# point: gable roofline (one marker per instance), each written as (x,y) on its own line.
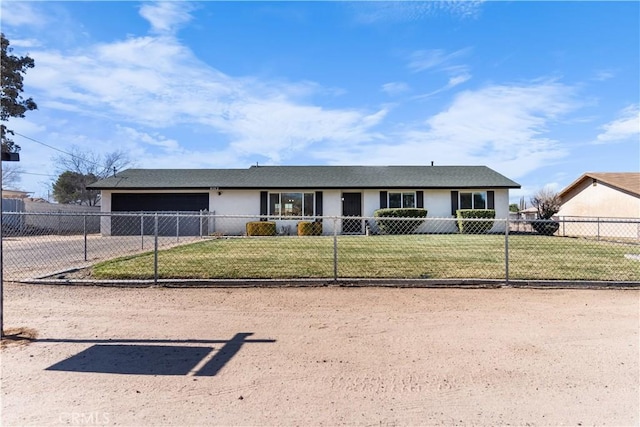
(628,182)
(308,177)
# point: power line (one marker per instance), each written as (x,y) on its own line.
(38,174)
(57,149)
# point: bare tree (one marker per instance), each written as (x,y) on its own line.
(11,176)
(547,203)
(80,168)
(87,162)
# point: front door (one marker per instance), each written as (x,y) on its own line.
(352,206)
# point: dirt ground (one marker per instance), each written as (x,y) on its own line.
(320,356)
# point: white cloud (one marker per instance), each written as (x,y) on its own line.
(603,75)
(458,79)
(627,126)
(131,135)
(154,150)
(16,14)
(278,130)
(24,43)
(367,12)
(439,61)
(166,17)
(502,126)
(421,60)
(395,88)
(157,82)
(453,82)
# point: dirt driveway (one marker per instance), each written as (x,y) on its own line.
(34,256)
(321,356)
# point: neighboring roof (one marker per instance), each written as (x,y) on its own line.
(15,194)
(625,181)
(282,177)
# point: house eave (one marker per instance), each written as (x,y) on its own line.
(289,187)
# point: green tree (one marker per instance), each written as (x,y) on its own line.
(513,207)
(13,104)
(71,188)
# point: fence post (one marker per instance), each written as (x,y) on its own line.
(335,249)
(506,253)
(141,230)
(84,226)
(177,226)
(598,221)
(1,263)
(155,250)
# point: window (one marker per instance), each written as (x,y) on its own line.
(402,200)
(473,200)
(291,204)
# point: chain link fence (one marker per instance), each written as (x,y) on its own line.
(202,246)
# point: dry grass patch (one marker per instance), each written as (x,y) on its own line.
(18,337)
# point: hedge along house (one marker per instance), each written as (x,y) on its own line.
(289,194)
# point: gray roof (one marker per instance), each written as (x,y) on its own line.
(309,177)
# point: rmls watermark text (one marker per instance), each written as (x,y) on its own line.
(84,418)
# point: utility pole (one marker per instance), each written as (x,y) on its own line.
(6,157)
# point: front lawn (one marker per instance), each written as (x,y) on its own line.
(414,256)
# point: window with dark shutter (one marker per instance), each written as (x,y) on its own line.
(319,203)
(420,199)
(491,204)
(454,202)
(383,200)
(264,197)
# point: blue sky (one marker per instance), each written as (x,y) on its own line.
(539,91)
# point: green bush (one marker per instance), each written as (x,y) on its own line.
(261,228)
(474,227)
(308,228)
(399,226)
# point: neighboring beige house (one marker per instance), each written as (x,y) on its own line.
(14,194)
(601,200)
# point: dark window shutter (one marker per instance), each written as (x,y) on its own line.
(318,203)
(420,199)
(264,204)
(491,203)
(383,200)
(454,202)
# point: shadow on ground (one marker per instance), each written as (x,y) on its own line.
(153,357)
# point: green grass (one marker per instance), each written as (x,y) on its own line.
(413,256)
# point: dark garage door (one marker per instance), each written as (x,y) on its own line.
(169,202)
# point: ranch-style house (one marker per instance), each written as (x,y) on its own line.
(288,194)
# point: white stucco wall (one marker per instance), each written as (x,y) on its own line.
(232,209)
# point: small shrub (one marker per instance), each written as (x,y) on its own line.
(307,228)
(474,227)
(399,226)
(546,227)
(261,228)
